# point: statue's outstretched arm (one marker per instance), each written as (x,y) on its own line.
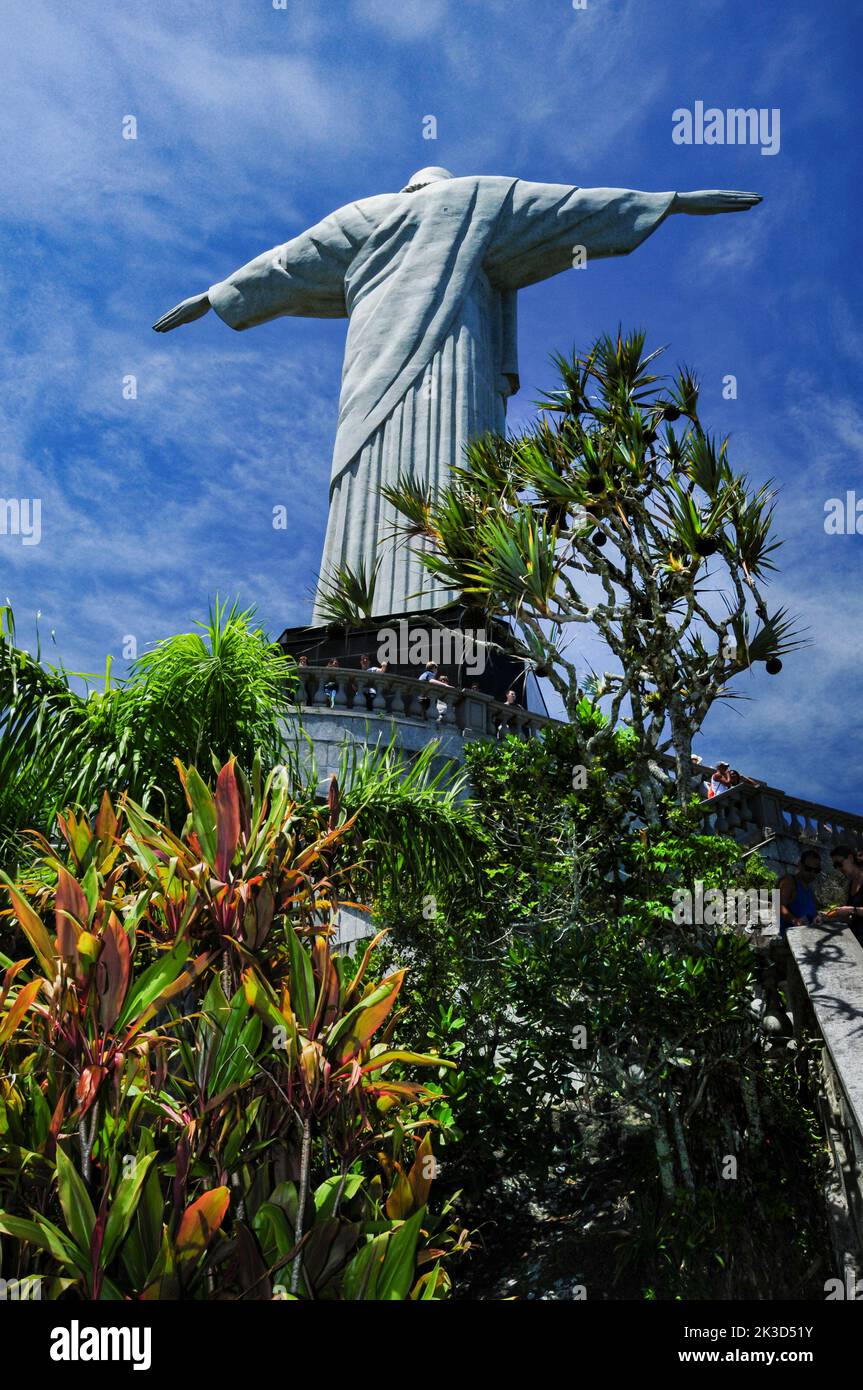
(185,312)
(704,202)
(304,277)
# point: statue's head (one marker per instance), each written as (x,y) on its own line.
(425,176)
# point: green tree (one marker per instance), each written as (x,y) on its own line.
(617,512)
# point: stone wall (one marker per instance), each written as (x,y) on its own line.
(824,982)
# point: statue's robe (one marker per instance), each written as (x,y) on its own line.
(428,281)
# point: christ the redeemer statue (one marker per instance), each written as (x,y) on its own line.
(428,279)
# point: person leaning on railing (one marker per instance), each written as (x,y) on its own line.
(331,687)
(797,905)
(719,781)
(736,779)
(502,723)
(849,862)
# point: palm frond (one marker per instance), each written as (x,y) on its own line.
(347,597)
(417,824)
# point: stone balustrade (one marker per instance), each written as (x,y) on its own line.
(471,713)
(780,825)
(339,703)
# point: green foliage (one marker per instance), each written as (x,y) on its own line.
(198,1096)
(568,994)
(198,695)
(618,488)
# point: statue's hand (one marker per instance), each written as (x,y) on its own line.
(705,202)
(187,312)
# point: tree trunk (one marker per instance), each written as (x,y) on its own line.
(305,1156)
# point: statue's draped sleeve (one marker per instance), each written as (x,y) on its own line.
(305,276)
(544,227)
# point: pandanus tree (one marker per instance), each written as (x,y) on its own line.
(619,513)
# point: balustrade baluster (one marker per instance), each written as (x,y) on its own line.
(340,680)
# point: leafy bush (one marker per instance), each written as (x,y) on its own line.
(199,1096)
(197,695)
(568,994)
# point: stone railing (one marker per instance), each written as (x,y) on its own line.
(824,987)
(445,707)
(780,825)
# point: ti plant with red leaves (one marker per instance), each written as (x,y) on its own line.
(244,861)
(198,1095)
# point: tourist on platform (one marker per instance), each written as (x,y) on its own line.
(849,863)
(720,781)
(503,721)
(370,691)
(431,672)
(331,688)
(735,778)
(797,905)
(697,783)
(441,704)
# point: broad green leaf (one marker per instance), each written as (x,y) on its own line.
(325,1195)
(161,1280)
(124,1206)
(176,986)
(154,980)
(357,1027)
(242,1126)
(203,809)
(75,1201)
(45,1236)
(302,987)
(259,996)
(361,1276)
(274,1231)
(397,1274)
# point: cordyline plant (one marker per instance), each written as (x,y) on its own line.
(618,511)
(164,1134)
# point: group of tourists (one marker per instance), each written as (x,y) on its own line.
(431,675)
(724,778)
(798,902)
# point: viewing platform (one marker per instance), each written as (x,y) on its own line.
(339,705)
(781,826)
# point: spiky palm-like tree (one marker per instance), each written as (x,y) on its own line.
(616,512)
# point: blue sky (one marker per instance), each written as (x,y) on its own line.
(252,123)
